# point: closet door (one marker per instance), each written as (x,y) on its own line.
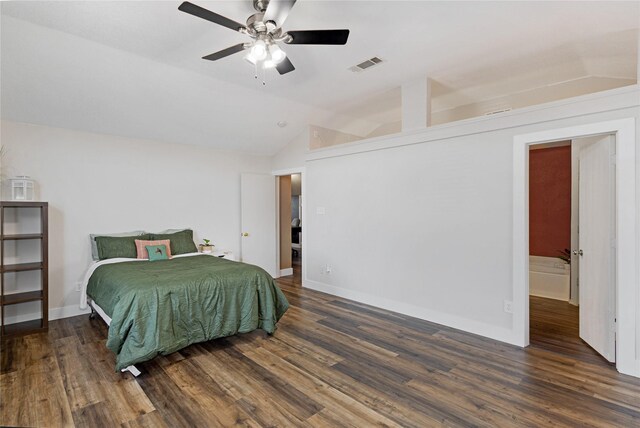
(258,221)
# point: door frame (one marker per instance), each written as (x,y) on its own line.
(278,173)
(627,270)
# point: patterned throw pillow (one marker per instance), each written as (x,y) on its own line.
(157,252)
(142,251)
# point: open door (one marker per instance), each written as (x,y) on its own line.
(258,221)
(596,254)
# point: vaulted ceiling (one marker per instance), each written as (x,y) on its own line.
(135,68)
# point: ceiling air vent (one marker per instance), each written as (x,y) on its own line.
(364,65)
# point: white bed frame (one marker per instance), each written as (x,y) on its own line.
(97,309)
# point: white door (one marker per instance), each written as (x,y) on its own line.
(596,246)
(258,220)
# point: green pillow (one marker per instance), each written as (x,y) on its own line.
(157,252)
(110,247)
(94,246)
(181,242)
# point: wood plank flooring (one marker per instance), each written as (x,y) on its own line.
(555,326)
(332,362)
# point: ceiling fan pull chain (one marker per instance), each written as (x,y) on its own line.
(255,72)
(264,76)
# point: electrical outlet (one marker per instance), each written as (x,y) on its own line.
(329,269)
(78,286)
(508,306)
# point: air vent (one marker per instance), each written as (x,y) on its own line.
(502,110)
(364,65)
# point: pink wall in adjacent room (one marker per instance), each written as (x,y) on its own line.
(549,200)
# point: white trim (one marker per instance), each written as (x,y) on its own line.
(66,312)
(613,99)
(288,171)
(286,272)
(487,330)
(277,249)
(627,302)
(54,314)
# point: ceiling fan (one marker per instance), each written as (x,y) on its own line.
(265,28)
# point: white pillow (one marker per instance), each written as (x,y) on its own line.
(168,231)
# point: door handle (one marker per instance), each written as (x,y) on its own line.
(577,252)
(580,252)
(245,234)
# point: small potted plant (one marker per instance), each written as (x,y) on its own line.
(565,255)
(206,247)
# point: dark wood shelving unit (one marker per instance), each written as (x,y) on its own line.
(42,295)
(21,267)
(21,237)
(27,296)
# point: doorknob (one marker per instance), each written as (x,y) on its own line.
(245,234)
(575,252)
(580,252)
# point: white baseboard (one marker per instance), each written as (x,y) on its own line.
(492,332)
(67,312)
(286,272)
(54,314)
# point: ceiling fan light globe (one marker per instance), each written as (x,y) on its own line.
(250,58)
(277,54)
(269,64)
(259,50)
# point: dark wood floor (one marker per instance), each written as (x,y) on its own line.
(555,326)
(332,362)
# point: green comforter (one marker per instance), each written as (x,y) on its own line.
(162,306)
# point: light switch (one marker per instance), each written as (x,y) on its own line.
(320,210)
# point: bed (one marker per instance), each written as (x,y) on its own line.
(156,308)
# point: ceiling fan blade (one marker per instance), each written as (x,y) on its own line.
(285,66)
(203,13)
(318,37)
(278,10)
(225,52)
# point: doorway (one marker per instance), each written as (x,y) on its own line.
(571,226)
(627,307)
(290,226)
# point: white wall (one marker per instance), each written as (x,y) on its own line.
(293,155)
(102,184)
(426,225)
(421,223)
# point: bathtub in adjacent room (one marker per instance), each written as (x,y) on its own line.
(549,277)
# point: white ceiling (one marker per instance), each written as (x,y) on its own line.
(135,68)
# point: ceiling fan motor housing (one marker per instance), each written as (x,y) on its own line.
(257,26)
(260,5)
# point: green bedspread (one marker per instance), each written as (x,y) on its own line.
(162,306)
